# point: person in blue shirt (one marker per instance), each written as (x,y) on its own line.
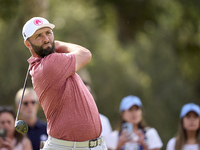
(37,131)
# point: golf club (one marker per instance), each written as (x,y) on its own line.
(20,125)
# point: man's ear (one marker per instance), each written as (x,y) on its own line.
(27,43)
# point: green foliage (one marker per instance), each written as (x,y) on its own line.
(144,48)
(8,9)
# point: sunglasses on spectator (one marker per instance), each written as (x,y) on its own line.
(27,103)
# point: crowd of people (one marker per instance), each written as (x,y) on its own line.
(136,135)
(72,118)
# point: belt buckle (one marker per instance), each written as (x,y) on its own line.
(93,143)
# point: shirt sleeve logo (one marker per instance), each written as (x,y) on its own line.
(38,22)
(68,55)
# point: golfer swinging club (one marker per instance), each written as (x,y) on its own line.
(71,113)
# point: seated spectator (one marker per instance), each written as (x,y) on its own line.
(188,136)
(37,130)
(139,137)
(11,139)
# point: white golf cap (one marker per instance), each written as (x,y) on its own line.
(33,25)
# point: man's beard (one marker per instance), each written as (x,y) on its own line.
(39,50)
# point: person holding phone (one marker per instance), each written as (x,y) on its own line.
(37,131)
(11,139)
(133,134)
(188,136)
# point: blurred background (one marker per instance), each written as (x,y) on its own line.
(147,48)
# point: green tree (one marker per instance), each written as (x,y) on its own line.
(145,48)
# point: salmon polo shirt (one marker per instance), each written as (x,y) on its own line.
(69,107)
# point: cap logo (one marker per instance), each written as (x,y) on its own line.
(38,22)
(24,34)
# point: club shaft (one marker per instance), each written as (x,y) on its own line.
(20,103)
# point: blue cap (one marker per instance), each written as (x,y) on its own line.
(128,101)
(189,107)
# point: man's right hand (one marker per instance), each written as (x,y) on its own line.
(83,55)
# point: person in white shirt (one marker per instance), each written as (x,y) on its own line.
(135,136)
(106,126)
(188,136)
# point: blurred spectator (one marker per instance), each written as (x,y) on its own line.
(106,126)
(137,137)
(37,131)
(11,139)
(106,129)
(188,137)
